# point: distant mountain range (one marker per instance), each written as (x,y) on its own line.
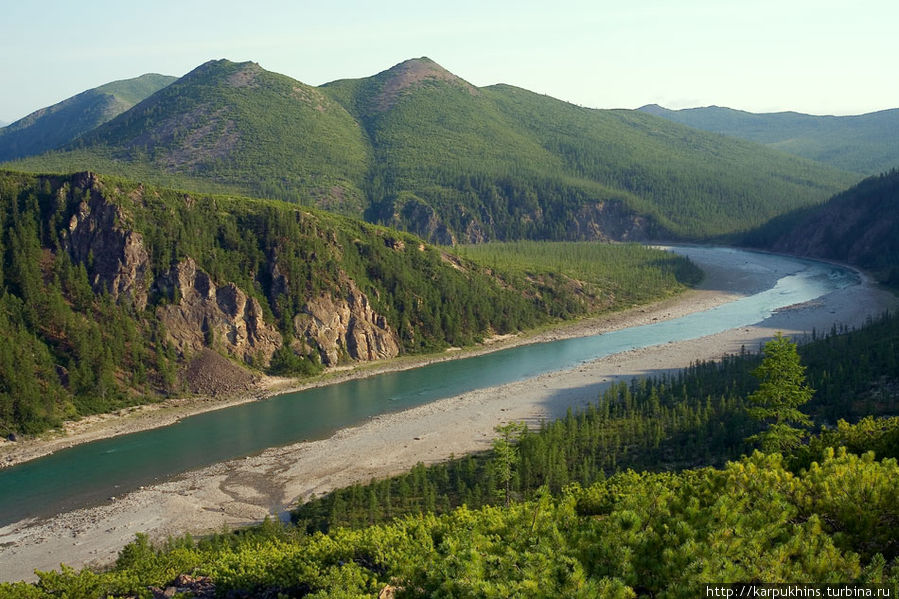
(867,143)
(419,148)
(51,127)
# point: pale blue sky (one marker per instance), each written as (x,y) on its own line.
(821,57)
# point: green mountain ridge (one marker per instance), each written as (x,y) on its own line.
(418,148)
(865,143)
(60,124)
(115,293)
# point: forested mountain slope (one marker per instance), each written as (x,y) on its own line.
(421,149)
(112,290)
(859,226)
(865,143)
(57,125)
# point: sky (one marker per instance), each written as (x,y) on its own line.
(821,57)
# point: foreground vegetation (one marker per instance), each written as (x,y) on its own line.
(587,524)
(83,319)
(696,417)
(652,534)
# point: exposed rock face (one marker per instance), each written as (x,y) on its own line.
(605,220)
(346,327)
(418,217)
(610,221)
(116,258)
(221,316)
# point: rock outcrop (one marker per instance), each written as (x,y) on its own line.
(116,258)
(222,317)
(345,327)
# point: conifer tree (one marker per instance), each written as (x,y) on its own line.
(781,391)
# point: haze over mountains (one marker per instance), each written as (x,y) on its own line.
(51,127)
(419,148)
(866,143)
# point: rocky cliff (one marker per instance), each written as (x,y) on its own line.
(203,313)
(345,327)
(859,226)
(115,256)
(222,317)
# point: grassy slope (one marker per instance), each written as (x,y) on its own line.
(231,126)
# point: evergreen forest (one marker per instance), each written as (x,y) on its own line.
(859,226)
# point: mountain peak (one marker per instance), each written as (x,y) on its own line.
(237,74)
(411,73)
(654,109)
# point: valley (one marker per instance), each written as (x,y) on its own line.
(414,334)
(245,490)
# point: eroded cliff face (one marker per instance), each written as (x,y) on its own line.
(201,314)
(604,220)
(609,221)
(116,258)
(223,317)
(345,327)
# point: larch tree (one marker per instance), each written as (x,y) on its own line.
(781,391)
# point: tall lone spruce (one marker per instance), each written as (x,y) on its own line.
(781,391)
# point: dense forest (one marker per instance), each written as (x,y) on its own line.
(418,148)
(859,226)
(575,518)
(111,288)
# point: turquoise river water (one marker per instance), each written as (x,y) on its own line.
(90,473)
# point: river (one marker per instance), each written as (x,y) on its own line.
(88,474)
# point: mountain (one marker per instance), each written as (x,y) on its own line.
(57,125)
(504,162)
(859,226)
(421,149)
(113,293)
(867,143)
(3,123)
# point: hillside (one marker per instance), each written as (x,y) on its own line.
(419,148)
(116,293)
(866,143)
(859,226)
(57,125)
